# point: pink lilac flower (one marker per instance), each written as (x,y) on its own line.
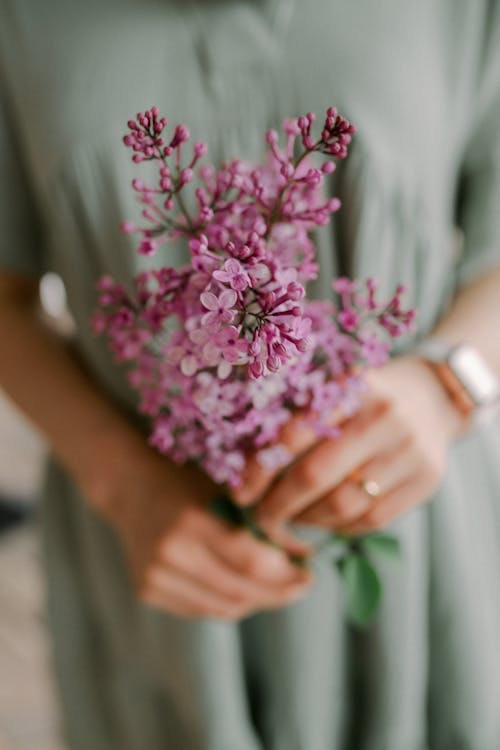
(234,274)
(221,307)
(226,348)
(233,347)
(274,457)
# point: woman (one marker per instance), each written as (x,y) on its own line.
(149,597)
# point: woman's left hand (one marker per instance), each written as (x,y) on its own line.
(390,457)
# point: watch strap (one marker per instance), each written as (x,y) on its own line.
(467,378)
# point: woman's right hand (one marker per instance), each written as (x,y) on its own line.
(181,558)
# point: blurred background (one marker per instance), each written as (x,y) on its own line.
(28,704)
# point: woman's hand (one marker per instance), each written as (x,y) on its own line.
(398,442)
(181,558)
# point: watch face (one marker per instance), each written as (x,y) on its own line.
(474,374)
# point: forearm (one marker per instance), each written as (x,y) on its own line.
(37,370)
(474,318)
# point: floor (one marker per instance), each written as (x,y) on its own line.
(28,706)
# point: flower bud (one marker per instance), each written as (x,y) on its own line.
(206,214)
(147,247)
(303,344)
(291,126)
(313,177)
(280,351)
(334,204)
(256,369)
(138,184)
(328,167)
(186,175)
(128,227)
(181,134)
(200,149)
(287,170)
(295,291)
(273,363)
(271,137)
(254,348)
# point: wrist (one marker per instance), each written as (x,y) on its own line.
(104,479)
(466,377)
(452,419)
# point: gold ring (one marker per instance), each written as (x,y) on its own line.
(370,487)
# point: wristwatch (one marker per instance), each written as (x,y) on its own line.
(467,378)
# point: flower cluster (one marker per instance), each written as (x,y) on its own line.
(224,349)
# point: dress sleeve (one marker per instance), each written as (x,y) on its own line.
(21,232)
(479,204)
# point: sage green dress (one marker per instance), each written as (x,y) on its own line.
(421,80)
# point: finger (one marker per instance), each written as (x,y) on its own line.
(346,503)
(329,463)
(178,593)
(383,511)
(173,605)
(287,539)
(349,501)
(296,436)
(259,561)
(216,576)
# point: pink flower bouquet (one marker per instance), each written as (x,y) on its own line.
(226,348)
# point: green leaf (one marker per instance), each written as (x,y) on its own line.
(339,564)
(338,538)
(363,589)
(382,543)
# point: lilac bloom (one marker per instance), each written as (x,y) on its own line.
(234,348)
(233,274)
(374,350)
(215,397)
(327,397)
(349,319)
(220,308)
(185,356)
(226,348)
(274,457)
(259,274)
(162,437)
